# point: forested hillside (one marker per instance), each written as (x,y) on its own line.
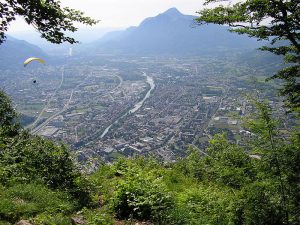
(255,184)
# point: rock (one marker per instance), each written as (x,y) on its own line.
(78,220)
(23,222)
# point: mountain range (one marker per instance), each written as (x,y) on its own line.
(171,33)
(13,52)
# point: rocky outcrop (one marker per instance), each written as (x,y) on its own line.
(78,220)
(23,222)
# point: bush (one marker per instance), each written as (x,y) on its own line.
(98,217)
(9,125)
(228,164)
(49,219)
(207,205)
(141,196)
(261,204)
(26,158)
(178,215)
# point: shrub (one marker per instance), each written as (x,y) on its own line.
(207,205)
(141,196)
(261,204)
(9,125)
(26,158)
(98,217)
(49,219)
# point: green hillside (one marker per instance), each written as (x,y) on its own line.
(256,184)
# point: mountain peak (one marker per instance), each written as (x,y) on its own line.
(171,33)
(173,12)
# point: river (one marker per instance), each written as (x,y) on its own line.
(136,107)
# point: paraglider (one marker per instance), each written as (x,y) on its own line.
(29,60)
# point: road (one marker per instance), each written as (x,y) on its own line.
(213,116)
(136,106)
(67,105)
(65,108)
(32,126)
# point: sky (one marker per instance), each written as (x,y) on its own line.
(120,13)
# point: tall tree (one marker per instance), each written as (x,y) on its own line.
(277,21)
(9,125)
(46,16)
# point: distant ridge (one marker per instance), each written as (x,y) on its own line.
(13,52)
(171,33)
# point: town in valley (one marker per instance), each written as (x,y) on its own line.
(110,107)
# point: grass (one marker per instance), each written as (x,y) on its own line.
(28,200)
(33,106)
(237,137)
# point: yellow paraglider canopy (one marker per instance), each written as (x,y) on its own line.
(29,60)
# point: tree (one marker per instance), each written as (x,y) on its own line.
(277,21)
(8,117)
(27,158)
(278,165)
(46,16)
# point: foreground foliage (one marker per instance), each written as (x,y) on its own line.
(255,184)
(46,16)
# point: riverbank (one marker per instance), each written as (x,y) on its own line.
(135,108)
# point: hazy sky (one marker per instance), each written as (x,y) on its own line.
(121,13)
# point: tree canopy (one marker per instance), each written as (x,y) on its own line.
(9,125)
(46,16)
(277,21)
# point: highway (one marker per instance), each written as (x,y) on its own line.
(32,126)
(35,130)
(66,107)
